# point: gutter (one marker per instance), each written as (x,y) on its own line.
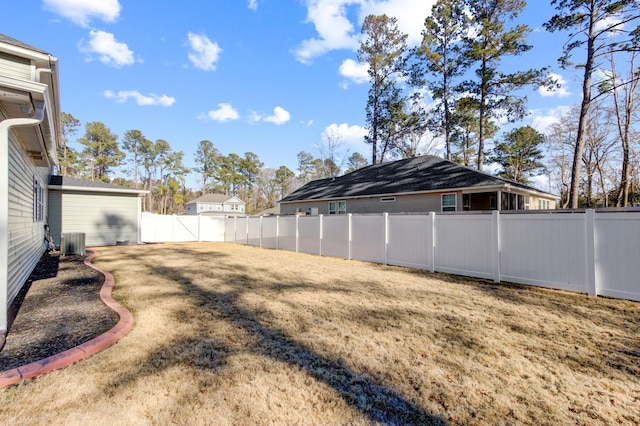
(5,128)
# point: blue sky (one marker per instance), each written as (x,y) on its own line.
(268,76)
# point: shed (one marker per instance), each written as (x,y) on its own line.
(105,213)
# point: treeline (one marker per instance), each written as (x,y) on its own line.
(156,167)
(592,155)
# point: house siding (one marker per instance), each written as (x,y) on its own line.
(26,237)
(104,218)
(15,67)
(413,203)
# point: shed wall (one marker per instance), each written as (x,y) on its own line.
(104,218)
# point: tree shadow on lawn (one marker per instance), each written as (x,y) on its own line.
(377,402)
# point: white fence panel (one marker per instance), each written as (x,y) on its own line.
(242,230)
(287,237)
(230,230)
(368,238)
(255,231)
(309,234)
(211,228)
(335,236)
(544,250)
(165,228)
(270,232)
(409,241)
(462,243)
(617,254)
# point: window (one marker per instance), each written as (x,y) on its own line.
(337,207)
(543,204)
(38,201)
(466,202)
(388,199)
(449,202)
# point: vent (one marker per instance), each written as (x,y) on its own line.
(72,243)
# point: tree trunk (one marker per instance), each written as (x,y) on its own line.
(574,190)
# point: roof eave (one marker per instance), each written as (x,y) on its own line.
(139,192)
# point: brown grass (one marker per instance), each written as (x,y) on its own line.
(228,334)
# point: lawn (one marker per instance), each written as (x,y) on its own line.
(228,334)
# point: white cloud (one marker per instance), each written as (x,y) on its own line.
(142,100)
(253,4)
(280,116)
(351,135)
(560,92)
(409,13)
(225,112)
(336,30)
(204,53)
(81,12)
(355,71)
(109,50)
(541,120)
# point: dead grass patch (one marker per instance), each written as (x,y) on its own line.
(228,334)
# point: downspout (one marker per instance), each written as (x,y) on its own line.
(5,127)
(51,144)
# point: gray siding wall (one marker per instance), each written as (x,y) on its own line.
(15,67)
(26,237)
(104,218)
(420,203)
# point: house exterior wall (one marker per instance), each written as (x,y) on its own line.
(414,203)
(15,67)
(26,235)
(104,218)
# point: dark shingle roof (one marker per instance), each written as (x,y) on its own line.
(419,174)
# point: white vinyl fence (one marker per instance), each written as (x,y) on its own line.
(155,228)
(592,252)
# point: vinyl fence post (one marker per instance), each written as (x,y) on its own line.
(199,227)
(495,244)
(386,238)
(246,231)
(590,252)
(431,248)
(297,233)
(261,231)
(321,231)
(277,232)
(350,235)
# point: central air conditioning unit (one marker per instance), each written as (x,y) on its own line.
(72,243)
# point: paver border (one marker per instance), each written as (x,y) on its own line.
(83,351)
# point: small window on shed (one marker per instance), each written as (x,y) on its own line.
(388,199)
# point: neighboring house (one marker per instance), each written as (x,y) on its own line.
(216,204)
(105,213)
(29,137)
(414,185)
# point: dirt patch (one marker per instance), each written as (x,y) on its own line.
(59,308)
(229,334)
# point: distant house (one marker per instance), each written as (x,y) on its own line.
(415,185)
(216,204)
(29,137)
(105,213)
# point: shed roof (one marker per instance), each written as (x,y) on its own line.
(426,173)
(9,40)
(74,184)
